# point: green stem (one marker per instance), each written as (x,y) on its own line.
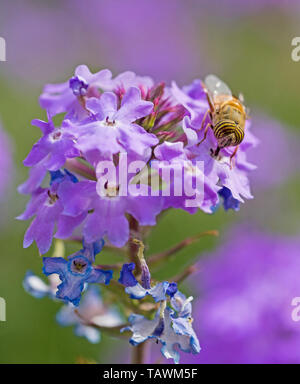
(133,247)
(76,166)
(139,353)
(165,255)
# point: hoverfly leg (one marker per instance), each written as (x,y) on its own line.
(204,119)
(217,151)
(205,133)
(232,157)
(209,100)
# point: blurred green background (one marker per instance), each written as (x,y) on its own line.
(250,49)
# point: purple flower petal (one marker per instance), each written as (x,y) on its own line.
(133,107)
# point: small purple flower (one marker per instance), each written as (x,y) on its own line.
(75,272)
(193,98)
(78,85)
(106,215)
(46,205)
(139,291)
(112,129)
(174,157)
(53,148)
(36,176)
(59,98)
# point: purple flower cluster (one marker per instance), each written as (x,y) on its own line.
(103,119)
(114,154)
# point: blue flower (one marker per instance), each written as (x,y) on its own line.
(76,271)
(168,327)
(178,331)
(181,304)
(172,289)
(229,202)
(137,291)
(59,176)
(91,310)
(126,276)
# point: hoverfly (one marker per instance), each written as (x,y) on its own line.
(227,115)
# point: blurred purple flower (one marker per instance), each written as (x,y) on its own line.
(229,9)
(6,165)
(107,214)
(42,50)
(169,40)
(277,156)
(247,288)
(171,37)
(93,310)
(160,49)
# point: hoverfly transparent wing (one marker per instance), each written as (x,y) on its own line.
(242,100)
(216,87)
(247,110)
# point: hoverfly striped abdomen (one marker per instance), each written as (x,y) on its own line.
(228,133)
